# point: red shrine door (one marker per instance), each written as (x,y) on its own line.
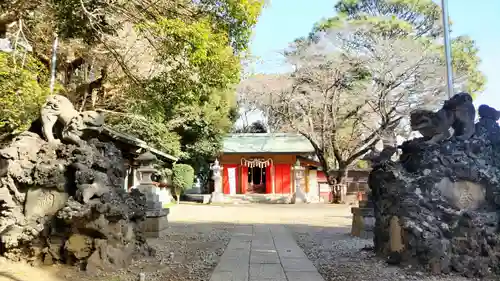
(283,178)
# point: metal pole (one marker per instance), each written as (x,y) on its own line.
(53,68)
(447,47)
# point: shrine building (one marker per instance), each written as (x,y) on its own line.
(276,164)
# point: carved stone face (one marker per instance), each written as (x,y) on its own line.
(52,101)
(421,118)
(57,101)
(458,100)
(488,112)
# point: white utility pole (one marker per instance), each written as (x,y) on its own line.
(447,47)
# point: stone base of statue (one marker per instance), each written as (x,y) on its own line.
(300,198)
(217,197)
(155,223)
(156,217)
(363,222)
(313,199)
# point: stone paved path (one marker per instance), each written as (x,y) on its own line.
(264,253)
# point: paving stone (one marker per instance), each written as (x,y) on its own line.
(304,276)
(278,229)
(291,252)
(297,264)
(229,276)
(239,245)
(260,272)
(261,228)
(237,252)
(232,263)
(263,247)
(270,279)
(263,239)
(243,229)
(264,257)
(287,245)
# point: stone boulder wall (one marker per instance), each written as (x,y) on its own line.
(438,206)
(66,204)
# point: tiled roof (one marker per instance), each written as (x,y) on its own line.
(267,143)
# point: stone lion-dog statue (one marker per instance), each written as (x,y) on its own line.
(58,108)
(458,113)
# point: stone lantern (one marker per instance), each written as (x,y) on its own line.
(146,168)
(156,216)
(299,173)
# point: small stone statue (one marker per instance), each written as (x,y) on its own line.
(215,167)
(378,158)
(488,112)
(59,108)
(487,126)
(458,112)
(217,195)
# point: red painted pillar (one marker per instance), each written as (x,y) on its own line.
(244,179)
(269,186)
(225,180)
(287,179)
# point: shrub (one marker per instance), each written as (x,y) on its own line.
(182,178)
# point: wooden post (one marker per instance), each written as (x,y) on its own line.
(272,179)
(306,177)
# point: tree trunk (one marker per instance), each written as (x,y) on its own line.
(340,179)
(178,195)
(326,170)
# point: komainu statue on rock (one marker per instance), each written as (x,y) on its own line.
(457,113)
(58,108)
(68,204)
(438,206)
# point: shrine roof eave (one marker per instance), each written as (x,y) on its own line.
(309,162)
(266,143)
(137,143)
(267,152)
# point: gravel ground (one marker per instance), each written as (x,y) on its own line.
(186,252)
(338,256)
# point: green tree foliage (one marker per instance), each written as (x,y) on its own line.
(182,178)
(389,17)
(419,19)
(193,95)
(22,93)
(235,17)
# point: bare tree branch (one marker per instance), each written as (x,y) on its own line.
(349,90)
